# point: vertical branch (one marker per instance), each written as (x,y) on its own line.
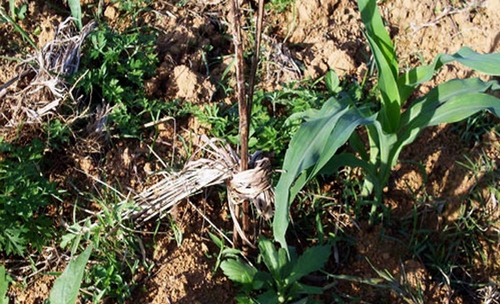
(251,87)
(242,104)
(255,59)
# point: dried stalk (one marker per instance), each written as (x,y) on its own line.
(243,110)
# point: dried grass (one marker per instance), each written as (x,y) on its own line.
(45,72)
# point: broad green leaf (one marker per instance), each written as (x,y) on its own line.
(424,107)
(313,259)
(340,134)
(66,287)
(4,286)
(271,257)
(268,297)
(485,63)
(448,102)
(385,57)
(238,271)
(303,152)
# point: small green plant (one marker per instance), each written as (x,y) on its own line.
(280,283)
(115,249)
(114,71)
(313,149)
(24,192)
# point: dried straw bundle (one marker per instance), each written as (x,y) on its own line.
(219,165)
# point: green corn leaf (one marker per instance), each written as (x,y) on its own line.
(385,57)
(238,271)
(66,287)
(424,107)
(463,106)
(485,63)
(76,12)
(448,102)
(316,141)
(313,259)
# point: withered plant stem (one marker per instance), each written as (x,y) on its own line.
(242,105)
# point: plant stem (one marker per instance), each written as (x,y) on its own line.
(242,106)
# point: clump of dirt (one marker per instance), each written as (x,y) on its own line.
(185,274)
(37,292)
(329,33)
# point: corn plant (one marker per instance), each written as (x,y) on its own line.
(313,148)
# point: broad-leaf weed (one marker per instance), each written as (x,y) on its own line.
(24,192)
(280,283)
(114,71)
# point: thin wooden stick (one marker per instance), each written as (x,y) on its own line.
(242,104)
(251,87)
(255,59)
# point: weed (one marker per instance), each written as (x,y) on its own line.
(279,6)
(24,193)
(280,283)
(473,128)
(115,68)
(270,129)
(115,250)
(4,17)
